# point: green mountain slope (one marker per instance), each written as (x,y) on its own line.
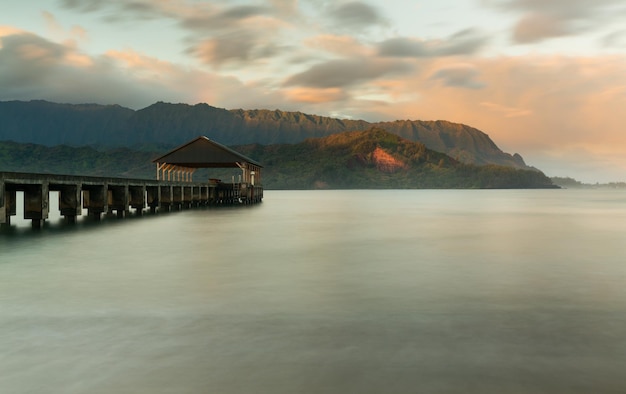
(371,159)
(376,159)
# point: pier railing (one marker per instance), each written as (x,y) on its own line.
(100,195)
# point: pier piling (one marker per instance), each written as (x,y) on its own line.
(137,198)
(95,200)
(115,196)
(165,203)
(69,200)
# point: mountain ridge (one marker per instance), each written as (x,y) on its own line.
(167,125)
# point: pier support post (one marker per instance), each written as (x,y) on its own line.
(153,194)
(69,202)
(10,200)
(177,199)
(4,218)
(165,203)
(95,200)
(118,199)
(204,195)
(36,203)
(213,195)
(137,195)
(187,197)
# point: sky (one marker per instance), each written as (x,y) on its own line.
(543,78)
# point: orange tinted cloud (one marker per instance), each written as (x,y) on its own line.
(338,44)
(138,61)
(315,96)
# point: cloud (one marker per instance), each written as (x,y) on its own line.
(316,95)
(342,45)
(204,16)
(239,46)
(126,9)
(242,12)
(218,33)
(564,8)
(536,27)
(459,75)
(355,15)
(10,30)
(25,59)
(196,17)
(541,20)
(32,67)
(56,30)
(464,42)
(404,47)
(346,72)
(84,5)
(288,8)
(224,19)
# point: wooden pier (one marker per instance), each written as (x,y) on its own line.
(173,188)
(101,195)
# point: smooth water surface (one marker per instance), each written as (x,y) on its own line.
(412,291)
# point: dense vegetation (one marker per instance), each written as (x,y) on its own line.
(163,126)
(371,159)
(62,159)
(348,160)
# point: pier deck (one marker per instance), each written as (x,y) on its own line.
(102,195)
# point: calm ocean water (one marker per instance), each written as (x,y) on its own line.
(416,291)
